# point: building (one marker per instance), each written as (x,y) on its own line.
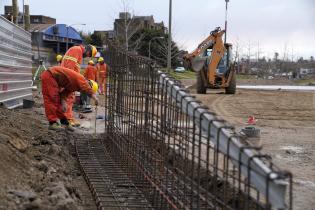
(134,24)
(48,38)
(41,19)
(52,40)
(106,36)
(34,19)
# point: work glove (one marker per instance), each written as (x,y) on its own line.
(95,99)
(63,105)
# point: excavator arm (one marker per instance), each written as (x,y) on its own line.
(197,57)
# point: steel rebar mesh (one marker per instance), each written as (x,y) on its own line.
(155,129)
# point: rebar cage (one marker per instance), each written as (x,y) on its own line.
(177,152)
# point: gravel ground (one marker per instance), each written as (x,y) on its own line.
(38,167)
(287,123)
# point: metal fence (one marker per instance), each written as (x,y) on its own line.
(179,153)
(15,64)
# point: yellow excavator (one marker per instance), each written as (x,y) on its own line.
(212,62)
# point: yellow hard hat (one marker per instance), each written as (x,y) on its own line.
(91,62)
(93,85)
(100,59)
(93,51)
(59,58)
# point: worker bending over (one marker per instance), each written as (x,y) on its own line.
(72,60)
(90,73)
(102,74)
(58,83)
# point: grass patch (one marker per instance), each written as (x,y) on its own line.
(304,81)
(183,75)
(245,76)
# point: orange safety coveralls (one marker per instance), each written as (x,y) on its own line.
(53,81)
(102,72)
(90,73)
(72,60)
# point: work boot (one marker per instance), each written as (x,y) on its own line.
(74,123)
(55,127)
(69,128)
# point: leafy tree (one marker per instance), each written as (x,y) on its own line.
(97,39)
(86,37)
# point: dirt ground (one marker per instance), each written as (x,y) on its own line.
(191,82)
(287,124)
(38,167)
(39,170)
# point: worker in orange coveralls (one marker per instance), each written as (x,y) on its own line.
(102,73)
(72,60)
(90,73)
(59,78)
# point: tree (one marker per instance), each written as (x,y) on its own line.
(97,39)
(276,56)
(158,47)
(127,27)
(86,37)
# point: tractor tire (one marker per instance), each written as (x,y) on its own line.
(231,89)
(201,88)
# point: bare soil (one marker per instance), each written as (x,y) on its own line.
(38,167)
(287,124)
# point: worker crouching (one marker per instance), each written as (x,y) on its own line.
(57,84)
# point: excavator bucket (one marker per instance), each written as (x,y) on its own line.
(198,63)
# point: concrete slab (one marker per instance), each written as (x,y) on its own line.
(92,122)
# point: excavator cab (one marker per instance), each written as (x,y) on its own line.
(225,61)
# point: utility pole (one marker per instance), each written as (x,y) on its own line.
(27,25)
(15,11)
(23,14)
(169,54)
(226,14)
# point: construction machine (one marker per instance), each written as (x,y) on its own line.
(212,62)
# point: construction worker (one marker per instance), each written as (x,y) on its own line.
(90,73)
(72,60)
(59,59)
(102,73)
(59,78)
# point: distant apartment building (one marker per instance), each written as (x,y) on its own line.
(41,19)
(34,19)
(135,23)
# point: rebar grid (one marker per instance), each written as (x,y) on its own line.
(177,152)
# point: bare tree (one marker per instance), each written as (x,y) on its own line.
(162,47)
(276,56)
(129,27)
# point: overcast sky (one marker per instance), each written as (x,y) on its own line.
(275,24)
